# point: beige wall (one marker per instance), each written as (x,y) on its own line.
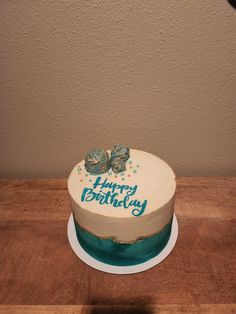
(154,75)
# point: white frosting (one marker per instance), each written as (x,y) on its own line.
(156,184)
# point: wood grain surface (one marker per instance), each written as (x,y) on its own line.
(39,273)
(119,309)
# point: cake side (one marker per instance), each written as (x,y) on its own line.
(123,254)
(124,229)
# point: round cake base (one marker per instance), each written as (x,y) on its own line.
(121,270)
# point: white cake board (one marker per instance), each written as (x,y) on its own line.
(89,260)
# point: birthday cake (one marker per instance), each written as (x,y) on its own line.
(123,204)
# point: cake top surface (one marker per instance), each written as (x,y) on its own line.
(147,184)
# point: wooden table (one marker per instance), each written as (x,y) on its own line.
(39,272)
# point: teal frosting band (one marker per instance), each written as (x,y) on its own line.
(123,254)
